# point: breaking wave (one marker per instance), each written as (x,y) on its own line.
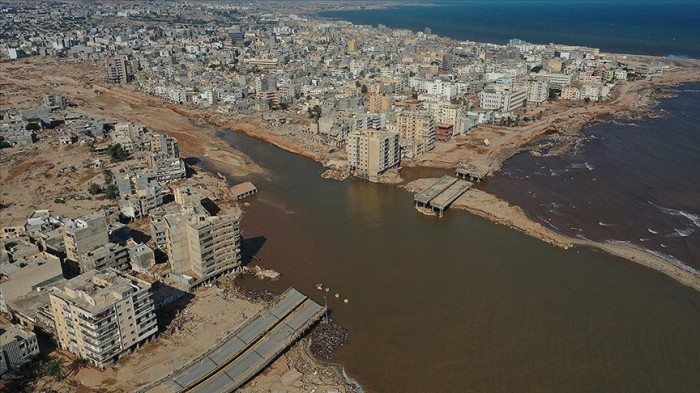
(679,213)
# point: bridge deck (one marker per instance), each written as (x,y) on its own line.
(434,190)
(448,196)
(251,348)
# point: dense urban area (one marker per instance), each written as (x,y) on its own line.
(114,249)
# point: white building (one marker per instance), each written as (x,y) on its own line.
(502,98)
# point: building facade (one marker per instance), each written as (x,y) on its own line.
(202,246)
(18,346)
(102,314)
(371,152)
(84,234)
(417,130)
(118,70)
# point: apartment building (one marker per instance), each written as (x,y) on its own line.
(102,314)
(165,145)
(26,274)
(417,130)
(118,70)
(555,80)
(371,152)
(537,92)
(379,102)
(202,246)
(502,98)
(571,93)
(84,234)
(444,112)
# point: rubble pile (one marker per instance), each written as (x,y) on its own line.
(327,338)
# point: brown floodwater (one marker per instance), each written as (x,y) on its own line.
(459,303)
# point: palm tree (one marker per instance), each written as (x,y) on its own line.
(55,369)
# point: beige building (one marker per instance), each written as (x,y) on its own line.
(102,314)
(444,112)
(27,274)
(202,246)
(379,102)
(164,145)
(417,130)
(571,93)
(371,152)
(537,92)
(84,234)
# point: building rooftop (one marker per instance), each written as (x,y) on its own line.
(11,332)
(96,290)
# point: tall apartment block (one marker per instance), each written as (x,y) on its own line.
(102,314)
(201,246)
(118,70)
(371,152)
(417,130)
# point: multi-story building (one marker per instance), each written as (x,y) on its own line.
(102,314)
(18,347)
(444,112)
(84,234)
(371,152)
(537,92)
(417,130)
(502,98)
(165,145)
(379,103)
(555,80)
(167,169)
(201,246)
(108,256)
(139,193)
(26,274)
(118,70)
(571,93)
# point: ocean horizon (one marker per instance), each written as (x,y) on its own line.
(645,27)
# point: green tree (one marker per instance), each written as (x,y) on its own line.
(55,369)
(364,89)
(117,152)
(108,175)
(95,189)
(315,112)
(33,127)
(111,191)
